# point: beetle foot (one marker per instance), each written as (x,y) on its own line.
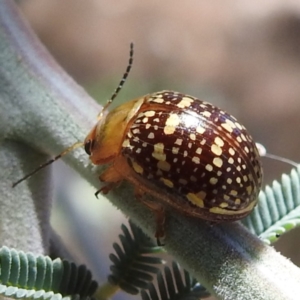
(107,188)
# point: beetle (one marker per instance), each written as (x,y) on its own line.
(187,153)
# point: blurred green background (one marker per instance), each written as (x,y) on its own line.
(243,56)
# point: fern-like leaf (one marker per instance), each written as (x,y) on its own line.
(171,286)
(25,275)
(133,264)
(278,209)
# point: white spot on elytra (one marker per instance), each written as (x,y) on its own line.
(151,135)
(218,162)
(206,114)
(183,181)
(163,165)
(193,136)
(185,102)
(219,141)
(216,149)
(149,113)
(196,160)
(171,124)
(158,152)
(136,131)
(209,167)
(158,100)
(199,150)
(230,160)
(213,180)
(200,129)
(231,151)
(175,150)
(178,142)
(167,182)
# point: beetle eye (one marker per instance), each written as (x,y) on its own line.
(88,145)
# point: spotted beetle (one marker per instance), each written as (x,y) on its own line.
(189,154)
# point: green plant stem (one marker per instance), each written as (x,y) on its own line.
(24,223)
(26,69)
(42,107)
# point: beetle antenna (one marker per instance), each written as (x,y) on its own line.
(119,87)
(42,166)
(263,152)
(79,144)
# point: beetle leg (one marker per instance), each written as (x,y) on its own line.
(159,212)
(112,178)
(107,188)
(111,175)
(160,217)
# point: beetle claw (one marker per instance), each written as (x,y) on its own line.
(97,193)
(107,188)
(159,243)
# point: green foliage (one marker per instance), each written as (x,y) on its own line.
(134,262)
(278,209)
(135,265)
(171,286)
(25,275)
